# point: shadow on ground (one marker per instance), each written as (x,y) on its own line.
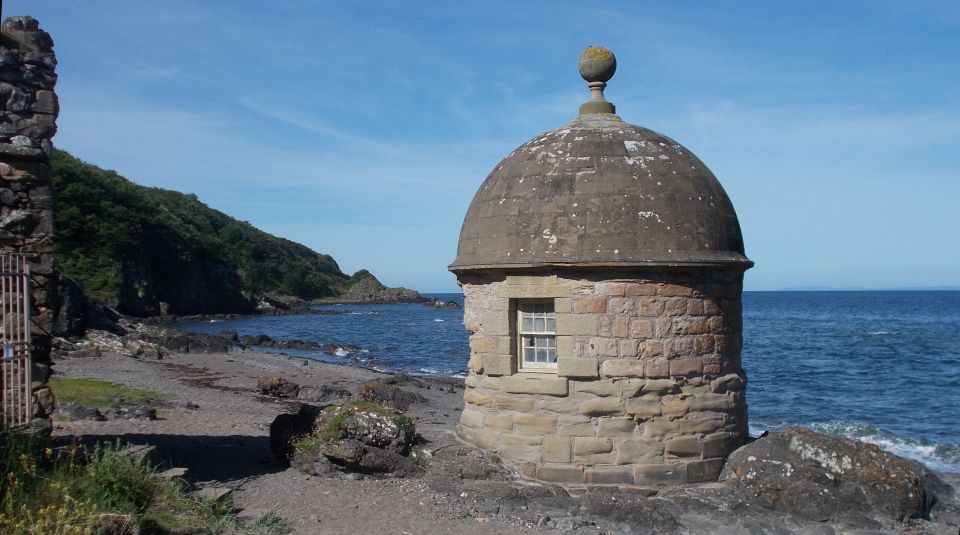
(222,458)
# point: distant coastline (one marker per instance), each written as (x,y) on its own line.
(798,289)
(858,289)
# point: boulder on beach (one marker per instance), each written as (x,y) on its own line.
(825,478)
(358,437)
(277,387)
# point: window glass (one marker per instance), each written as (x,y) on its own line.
(538,328)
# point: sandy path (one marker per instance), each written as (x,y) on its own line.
(225,442)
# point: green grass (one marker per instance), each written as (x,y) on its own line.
(100,394)
(107,492)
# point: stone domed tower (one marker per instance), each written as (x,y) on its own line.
(602,267)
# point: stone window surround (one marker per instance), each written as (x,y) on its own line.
(517,288)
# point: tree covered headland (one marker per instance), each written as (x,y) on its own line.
(148,251)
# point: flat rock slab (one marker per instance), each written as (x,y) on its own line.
(213,493)
(148,454)
(175,473)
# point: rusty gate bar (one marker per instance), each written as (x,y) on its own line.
(16,399)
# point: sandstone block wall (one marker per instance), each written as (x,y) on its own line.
(648,388)
(28,113)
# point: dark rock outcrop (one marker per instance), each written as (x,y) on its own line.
(365,458)
(75,411)
(737,505)
(324,393)
(440,303)
(189,342)
(203,286)
(286,428)
(353,438)
(388,395)
(264,340)
(277,387)
(365,288)
(74,312)
(824,478)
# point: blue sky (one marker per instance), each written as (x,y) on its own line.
(363,129)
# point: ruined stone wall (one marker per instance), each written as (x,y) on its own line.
(648,389)
(28,113)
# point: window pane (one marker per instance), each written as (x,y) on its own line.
(537,325)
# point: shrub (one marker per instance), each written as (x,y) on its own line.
(105,492)
(117,482)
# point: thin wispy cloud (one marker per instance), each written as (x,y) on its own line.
(155,72)
(363,130)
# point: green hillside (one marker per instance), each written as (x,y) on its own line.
(148,251)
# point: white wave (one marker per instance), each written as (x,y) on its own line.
(935,456)
(341,352)
(459,375)
(430,371)
(878,333)
(438,319)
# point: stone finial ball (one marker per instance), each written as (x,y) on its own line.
(597,64)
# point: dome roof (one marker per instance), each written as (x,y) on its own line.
(600,192)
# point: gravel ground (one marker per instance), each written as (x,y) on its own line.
(224,442)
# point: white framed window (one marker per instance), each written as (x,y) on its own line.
(537,335)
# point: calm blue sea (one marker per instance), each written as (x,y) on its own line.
(883,367)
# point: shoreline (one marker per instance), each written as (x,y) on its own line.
(350,355)
(299,310)
(223,440)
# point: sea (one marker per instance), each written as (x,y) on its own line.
(879,366)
